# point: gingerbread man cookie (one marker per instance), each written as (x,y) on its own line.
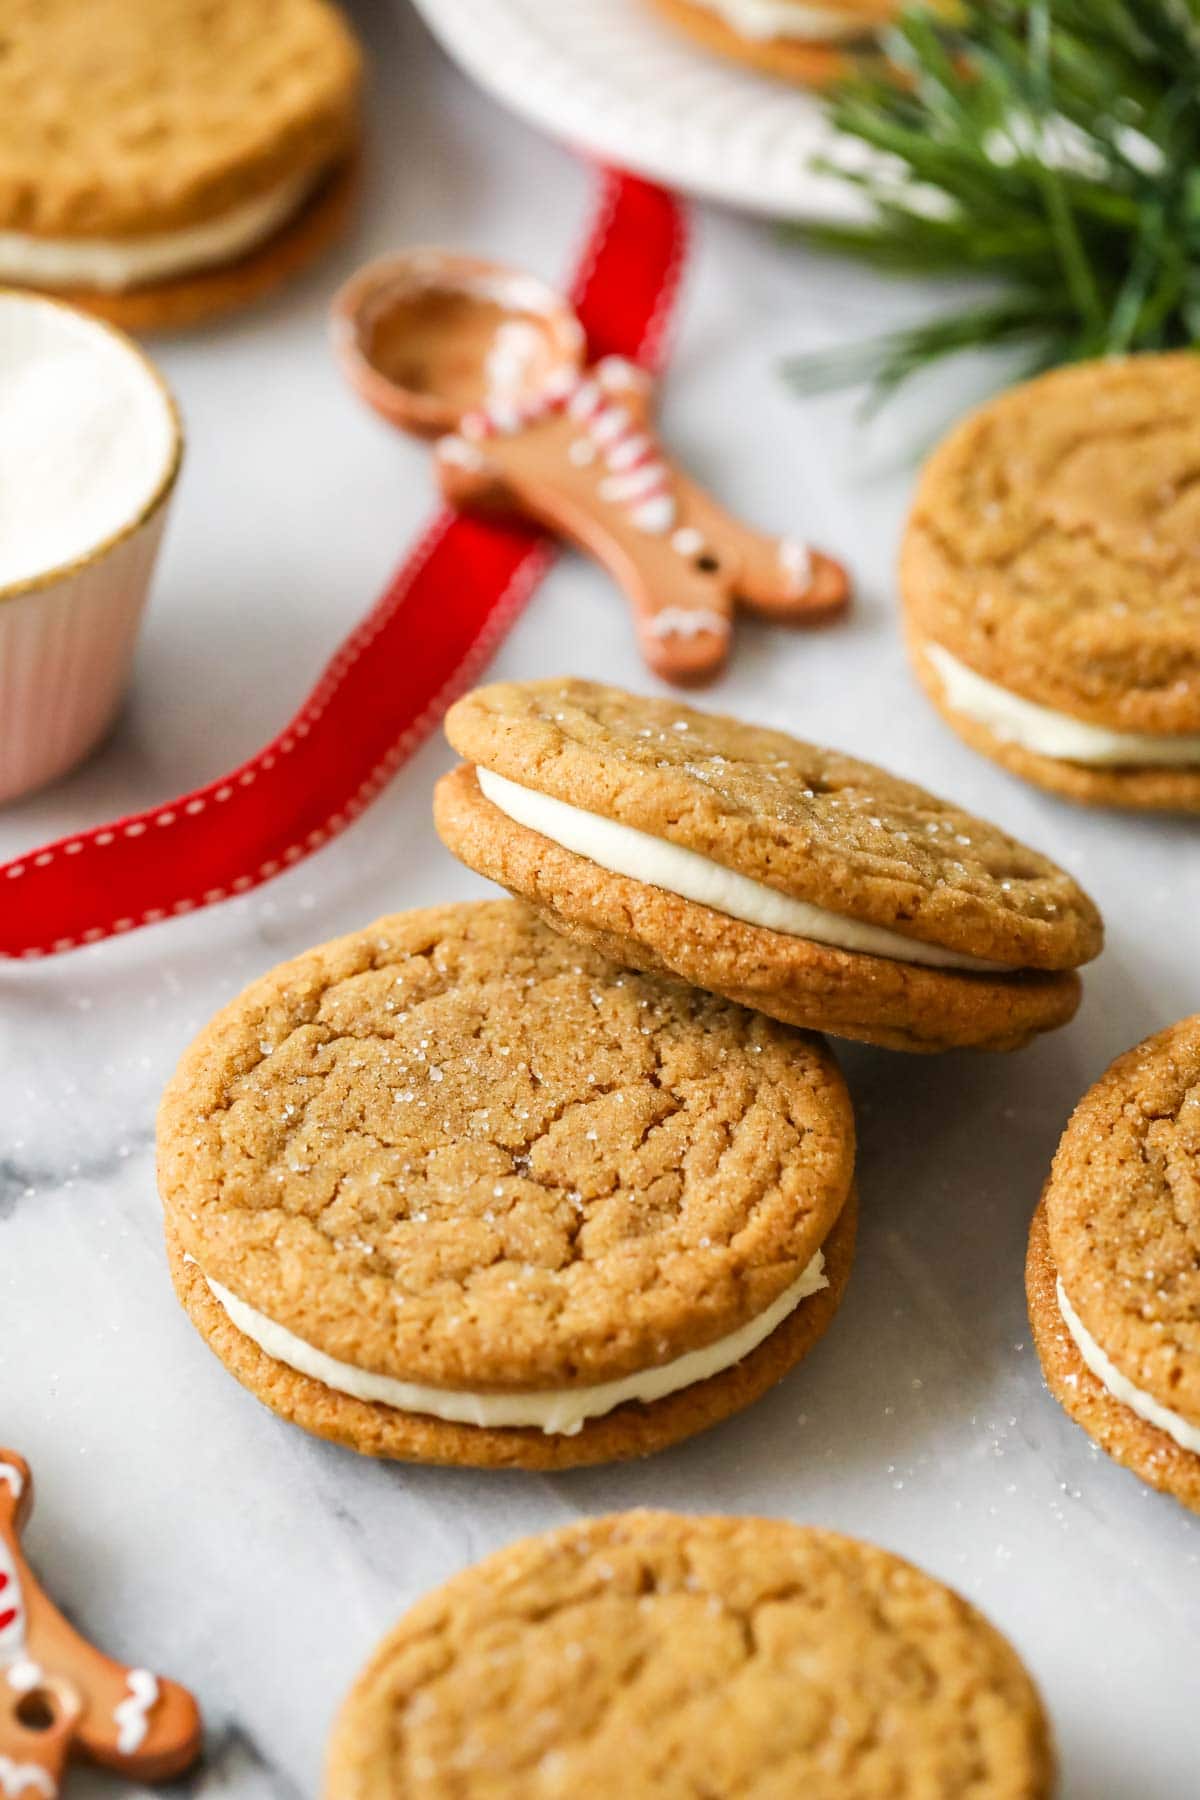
(491,363)
(60,1697)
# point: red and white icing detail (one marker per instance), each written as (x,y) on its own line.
(132,1715)
(686,622)
(20,1673)
(18,1779)
(14,1479)
(12,1610)
(638,478)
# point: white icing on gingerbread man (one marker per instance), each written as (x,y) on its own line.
(133,1714)
(18,1779)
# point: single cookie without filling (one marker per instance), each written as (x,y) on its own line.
(456,1190)
(806,41)
(659,1657)
(1113,1273)
(797,880)
(1052,587)
(164,160)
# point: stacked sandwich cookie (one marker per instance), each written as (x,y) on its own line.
(454,1190)
(1051,586)
(817,888)
(162,161)
(651,1654)
(806,41)
(1113,1273)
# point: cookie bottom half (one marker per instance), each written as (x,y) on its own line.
(1129,1440)
(187,300)
(900,1006)
(1134,790)
(630,1431)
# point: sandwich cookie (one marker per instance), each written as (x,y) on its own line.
(659,1656)
(456,1191)
(1051,584)
(797,880)
(162,161)
(806,41)
(1113,1273)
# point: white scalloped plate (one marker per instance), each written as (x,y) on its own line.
(608,77)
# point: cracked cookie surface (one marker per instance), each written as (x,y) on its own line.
(1052,547)
(456,1149)
(652,1654)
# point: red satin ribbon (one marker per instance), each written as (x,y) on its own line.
(383,692)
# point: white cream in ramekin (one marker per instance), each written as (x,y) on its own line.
(90,446)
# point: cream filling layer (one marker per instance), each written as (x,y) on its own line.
(110,265)
(1186,1435)
(1049,733)
(559,1412)
(764,20)
(624,850)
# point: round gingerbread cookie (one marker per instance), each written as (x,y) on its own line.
(1113,1272)
(659,1656)
(797,880)
(454,1190)
(1051,585)
(805,41)
(162,161)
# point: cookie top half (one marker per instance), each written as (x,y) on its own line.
(1123,1213)
(648,1653)
(130,117)
(1052,547)
(455,1149)
(813,824)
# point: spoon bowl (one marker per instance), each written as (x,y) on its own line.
(428,337)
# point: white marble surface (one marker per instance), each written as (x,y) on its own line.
(189,1528)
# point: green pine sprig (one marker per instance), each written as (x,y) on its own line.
(1049,148)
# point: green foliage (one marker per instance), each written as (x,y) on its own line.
(1049,147)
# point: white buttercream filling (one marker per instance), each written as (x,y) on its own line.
(560,1412)
(1186,1435)
(1049,733)
(767,19)
(110,265)
(624,850)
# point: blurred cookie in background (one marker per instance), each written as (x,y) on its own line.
(164,161)
(802,42)
(1051,592)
